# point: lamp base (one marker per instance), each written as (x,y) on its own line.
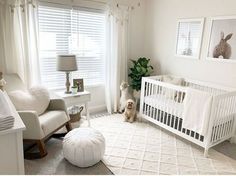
(68,83)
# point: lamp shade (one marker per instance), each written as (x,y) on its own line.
(66,63)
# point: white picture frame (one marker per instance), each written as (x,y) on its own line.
(189,38)
(228,24)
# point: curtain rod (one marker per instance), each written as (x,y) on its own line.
(73,5)
(72,1)
(96,1)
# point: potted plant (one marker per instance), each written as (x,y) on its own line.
(141,68)
(74,89)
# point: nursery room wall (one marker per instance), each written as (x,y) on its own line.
(161,27)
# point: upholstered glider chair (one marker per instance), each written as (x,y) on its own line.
(39,128)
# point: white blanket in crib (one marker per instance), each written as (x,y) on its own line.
(196,114)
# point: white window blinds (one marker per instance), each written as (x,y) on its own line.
(71,31)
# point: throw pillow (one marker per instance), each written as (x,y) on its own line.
(36,99)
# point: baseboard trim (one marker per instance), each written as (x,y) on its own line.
(95,109)
(233,140)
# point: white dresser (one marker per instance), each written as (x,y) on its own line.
(11,149)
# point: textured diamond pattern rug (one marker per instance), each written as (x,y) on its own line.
(145,149)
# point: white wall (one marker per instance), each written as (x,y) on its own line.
(160,37)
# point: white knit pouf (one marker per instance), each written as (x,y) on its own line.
(84,147)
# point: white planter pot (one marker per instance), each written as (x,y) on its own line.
(136,94)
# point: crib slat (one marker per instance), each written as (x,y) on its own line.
(222,117)
(228,130)
(227,116)
(233,104)
(178,114)
(217,121)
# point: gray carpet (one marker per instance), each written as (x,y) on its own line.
(54,163)
(227,149)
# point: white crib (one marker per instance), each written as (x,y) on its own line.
(167,112)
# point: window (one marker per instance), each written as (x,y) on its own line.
(71,31)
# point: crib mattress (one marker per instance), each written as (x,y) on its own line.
(165,104)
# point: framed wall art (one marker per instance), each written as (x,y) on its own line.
(222,40)
(189,37)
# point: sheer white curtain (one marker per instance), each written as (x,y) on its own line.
(19,39)
(117,55)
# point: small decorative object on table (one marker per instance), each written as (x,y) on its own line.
(2,81)
(75,113)
(74,89)
(79,83)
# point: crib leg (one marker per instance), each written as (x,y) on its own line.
(206,152)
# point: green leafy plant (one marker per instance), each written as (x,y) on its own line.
(141,68)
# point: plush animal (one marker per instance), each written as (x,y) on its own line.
(130,111)
(125,95)
(223,48)
(2,81)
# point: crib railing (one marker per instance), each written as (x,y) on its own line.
(171,93)
(164,103)
(169,117)
(222,118)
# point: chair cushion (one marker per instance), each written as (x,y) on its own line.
(36,99)
(51,120)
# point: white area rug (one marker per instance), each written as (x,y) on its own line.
(141,148)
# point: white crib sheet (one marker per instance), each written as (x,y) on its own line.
(165,104)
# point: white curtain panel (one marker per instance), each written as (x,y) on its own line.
(7,42)
(19,39)
(117,55)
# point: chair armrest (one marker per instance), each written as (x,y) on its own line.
(33,127)
(57,104)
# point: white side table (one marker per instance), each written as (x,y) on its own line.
(81,98)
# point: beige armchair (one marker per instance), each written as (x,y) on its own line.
(40,128)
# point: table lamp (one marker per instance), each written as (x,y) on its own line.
(67,64)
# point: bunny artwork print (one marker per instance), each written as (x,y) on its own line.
(223,48)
